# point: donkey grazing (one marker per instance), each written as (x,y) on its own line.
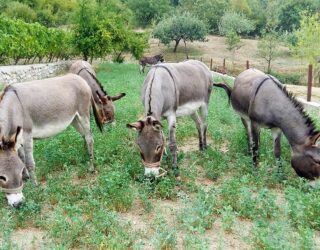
(144,61)
(101,98)
(35,110)
(171,90)
(262,101)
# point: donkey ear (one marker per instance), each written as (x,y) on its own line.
(102,98)
(117,97)
(136,125)
(315,140)
(14,137)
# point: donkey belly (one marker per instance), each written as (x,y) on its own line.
(189,108)
(51,128)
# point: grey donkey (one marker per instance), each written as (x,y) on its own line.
(36,110)
(171,90)
(102,99)
(262,101)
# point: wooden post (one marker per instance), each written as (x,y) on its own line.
(224,64)
(200,59)
(211,64)
(309,82)
(247,64)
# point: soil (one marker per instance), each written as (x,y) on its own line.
(29,239)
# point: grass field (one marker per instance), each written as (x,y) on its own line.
(222,202)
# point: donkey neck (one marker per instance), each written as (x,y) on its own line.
(294,122)
(11,113)
(92,81)
(156,101)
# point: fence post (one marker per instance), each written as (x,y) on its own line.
(200,59)
(309,82)
(247,64)
(224,64)
(211,64)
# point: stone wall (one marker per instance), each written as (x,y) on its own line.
(21,73)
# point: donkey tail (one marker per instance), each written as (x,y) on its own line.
(226,88)
(96,114)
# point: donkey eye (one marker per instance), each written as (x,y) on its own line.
(158,148)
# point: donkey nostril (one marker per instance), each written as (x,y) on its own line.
(3,178)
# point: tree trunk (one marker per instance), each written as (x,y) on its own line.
(269,67)
(185,49)
(176,46)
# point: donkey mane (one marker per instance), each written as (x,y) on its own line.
(95,78)
(308,121)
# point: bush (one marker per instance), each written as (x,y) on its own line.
(288,78)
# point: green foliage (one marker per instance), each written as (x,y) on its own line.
(20,40)
(209,11)
(307,35)
(197,216)
(288,78)
(268,48)
(147,11)
(99,35)
(232,22)
(290,13)
(240,6)
(180,27)
(18,10)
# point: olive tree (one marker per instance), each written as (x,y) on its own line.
(232,25)
(180,27)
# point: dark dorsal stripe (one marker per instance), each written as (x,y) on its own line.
(95,78)
(174,83)
(310,124)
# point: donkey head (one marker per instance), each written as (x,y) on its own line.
(107,107)
(159,58)
(151,143)
(306,160)
(11,170)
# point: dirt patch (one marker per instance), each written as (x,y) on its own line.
(218,239)
(301,91)
(142,222)
(215,48)
(29,239)
(192,144)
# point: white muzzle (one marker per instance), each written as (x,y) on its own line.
(15,200)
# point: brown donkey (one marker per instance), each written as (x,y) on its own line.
(101,98)
(262,101)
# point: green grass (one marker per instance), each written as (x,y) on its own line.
(220,191)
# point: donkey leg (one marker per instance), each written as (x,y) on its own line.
(29,160)
(248,132)
(276,135)
(172,142)
(195,117)
(204,124)
(255,133)
(82,125)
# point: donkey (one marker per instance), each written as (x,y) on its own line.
(101,98)
(144,61)
(35,110)
(262,101)
(171,90)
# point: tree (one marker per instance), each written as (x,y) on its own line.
(180,27)
(90,37)
(290,13)
(147,11)
(308,35)
(233,24)
(268,47)
(208,11)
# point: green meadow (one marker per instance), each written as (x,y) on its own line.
(222,201)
